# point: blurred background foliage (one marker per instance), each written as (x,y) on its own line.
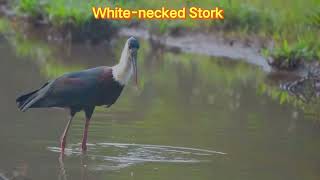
(292,21)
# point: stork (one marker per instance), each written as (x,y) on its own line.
(84,90)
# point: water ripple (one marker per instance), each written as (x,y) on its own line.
(115,156)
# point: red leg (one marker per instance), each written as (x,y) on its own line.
(63,139)
(88,112)
(85,135)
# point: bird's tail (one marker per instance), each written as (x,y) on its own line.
(26,100)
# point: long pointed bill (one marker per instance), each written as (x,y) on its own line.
(134,64)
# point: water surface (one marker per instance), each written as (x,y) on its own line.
(193,117)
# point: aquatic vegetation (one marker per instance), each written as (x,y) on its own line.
(289,57)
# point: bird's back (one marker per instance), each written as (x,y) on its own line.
(87,88)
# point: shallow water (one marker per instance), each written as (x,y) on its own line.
(193,117)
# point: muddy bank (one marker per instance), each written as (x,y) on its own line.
(215,44)
(203,43)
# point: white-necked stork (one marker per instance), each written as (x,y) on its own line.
(85,89)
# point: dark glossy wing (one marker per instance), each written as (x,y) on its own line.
(78,89)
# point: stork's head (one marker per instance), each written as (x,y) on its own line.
(133,46)
(128,62)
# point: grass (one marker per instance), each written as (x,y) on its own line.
(315,18)
(32,7)
(289,57)
(58,12)
(289,23)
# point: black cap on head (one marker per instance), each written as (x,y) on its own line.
(133,43)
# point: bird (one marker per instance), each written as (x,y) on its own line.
(84,90)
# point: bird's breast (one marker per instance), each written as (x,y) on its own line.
(109,92)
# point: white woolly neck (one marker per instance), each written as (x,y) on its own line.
(123,70)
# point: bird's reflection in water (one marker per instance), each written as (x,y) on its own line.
(62,170)
(83,165)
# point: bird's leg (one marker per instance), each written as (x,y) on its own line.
(85,135)
(63,139)
(88,112)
